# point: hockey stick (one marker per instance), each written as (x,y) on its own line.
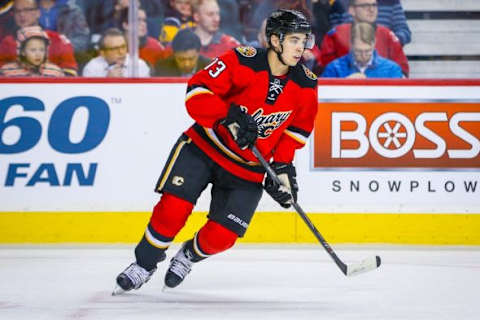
(366,265)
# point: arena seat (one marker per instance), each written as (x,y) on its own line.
(445,37)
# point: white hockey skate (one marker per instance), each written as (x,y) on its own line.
(133,277)
(180,266)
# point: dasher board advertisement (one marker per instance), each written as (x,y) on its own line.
(83,147)
(395,148)
(392,135)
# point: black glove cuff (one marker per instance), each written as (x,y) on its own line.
(284,167)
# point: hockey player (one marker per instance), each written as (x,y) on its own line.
(245,97)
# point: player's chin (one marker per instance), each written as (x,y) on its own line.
(292,61)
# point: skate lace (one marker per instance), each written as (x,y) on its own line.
(137,274)
(181,267)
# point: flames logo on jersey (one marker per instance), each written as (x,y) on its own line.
(267,123)
(309,73)
(247,51)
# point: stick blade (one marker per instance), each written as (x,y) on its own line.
(366,265)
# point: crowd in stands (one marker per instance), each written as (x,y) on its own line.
(176,38)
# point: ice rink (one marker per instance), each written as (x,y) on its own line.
(248,282)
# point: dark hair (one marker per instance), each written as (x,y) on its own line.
(186,39)
(111,32)
(123,18)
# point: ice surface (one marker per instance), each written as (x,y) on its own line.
(248,282)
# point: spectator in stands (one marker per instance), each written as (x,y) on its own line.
(178,16)
(32,46)
(65,17)
(105,14)
(336,42)
(113,60)
(155,10)
(60,52)
(206,15)
(7,24)
(186,58)
(363,60)
(390,15)
(150,49)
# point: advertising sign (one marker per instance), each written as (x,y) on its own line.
(392,135)
(101,147)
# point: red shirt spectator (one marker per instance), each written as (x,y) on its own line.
(150,49)
(60,52)
(336,44)
(220,43)
(206,14)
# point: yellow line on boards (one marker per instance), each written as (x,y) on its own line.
(266,227)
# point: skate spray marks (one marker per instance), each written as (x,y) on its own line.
(85,312)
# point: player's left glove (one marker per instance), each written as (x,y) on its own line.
(242,126)
(285,194)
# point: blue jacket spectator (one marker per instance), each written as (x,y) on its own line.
(363,60)
(379,67)
(390,15)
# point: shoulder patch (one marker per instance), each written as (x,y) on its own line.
(247,51)
(309,73)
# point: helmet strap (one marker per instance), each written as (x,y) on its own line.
(279,53)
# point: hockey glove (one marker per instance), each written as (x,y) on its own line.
(285,194)
(242,126)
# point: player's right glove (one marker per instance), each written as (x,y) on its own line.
(242,126)
(287,192)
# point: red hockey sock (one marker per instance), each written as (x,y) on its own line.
(170,215)
(214,238)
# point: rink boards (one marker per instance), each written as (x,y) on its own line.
(389,162)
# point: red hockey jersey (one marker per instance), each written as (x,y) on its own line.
(219,44)
(336,44)
(284,109)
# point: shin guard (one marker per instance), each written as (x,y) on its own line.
(168,217)
(170,214)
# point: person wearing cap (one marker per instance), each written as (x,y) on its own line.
(26,13)
(32,48)
(247,97)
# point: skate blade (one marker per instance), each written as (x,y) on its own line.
(117,291)
(165,288)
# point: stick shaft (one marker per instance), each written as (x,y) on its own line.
(302,213)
